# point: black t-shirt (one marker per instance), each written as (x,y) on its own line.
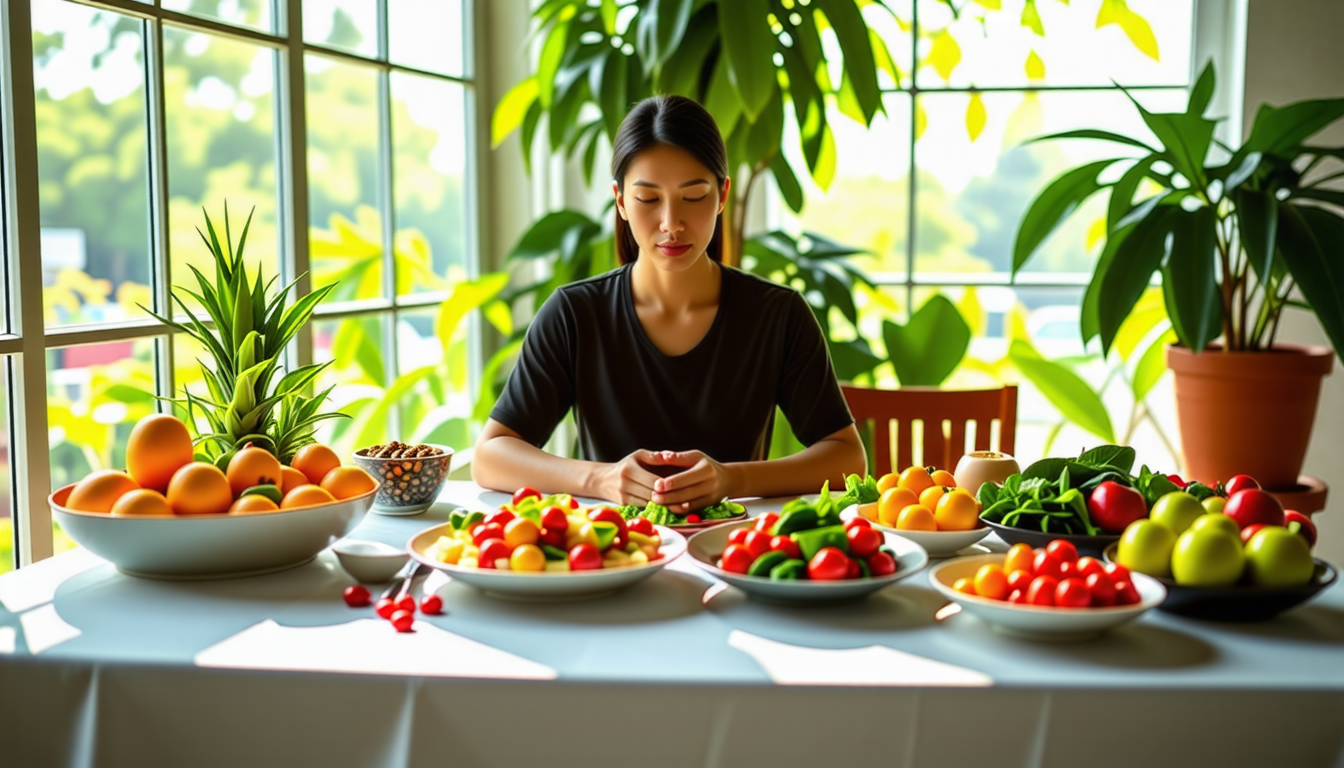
(586,350)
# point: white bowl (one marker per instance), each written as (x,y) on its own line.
(546,586)
(938,544)
(1035,622)
(371,562)
(196,547)
(706,547)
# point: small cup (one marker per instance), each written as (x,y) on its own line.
(979,467)
(408,486)
(371,562)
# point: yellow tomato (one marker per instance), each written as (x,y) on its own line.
(890,504)
(991,582)
(916,479)
(887,482)
(527,557)
(943,477)
(957,511)
(929,498)
(520,531)
(916,518)
(1019,558)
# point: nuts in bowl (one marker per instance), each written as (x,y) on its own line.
(411,474)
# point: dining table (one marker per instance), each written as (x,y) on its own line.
(101,668)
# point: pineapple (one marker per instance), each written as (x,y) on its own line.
(246,334)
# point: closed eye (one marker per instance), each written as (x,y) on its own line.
(694,199)
(650,200)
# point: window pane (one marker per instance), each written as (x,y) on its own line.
(438,408)
(429,161)
(245,13)
(346,239)
(6,499)
(360,379)
(347,25)
(891,20)
(426,34)
(972,194)
(93,163)
(221,148)
(1144,42)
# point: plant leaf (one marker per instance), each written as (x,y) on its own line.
(1137,258)
(748,46)
(944,55)
(1031,19)
(1059,199)
(1191,270)
(925,351)
(1258,226)
(860,68)
(787,183)
(1201,93)
(1152,364)
(1064,389)
(1091,133)
(1035,67)
(1309,239)
(511,109)
(1276,130)
(975,116)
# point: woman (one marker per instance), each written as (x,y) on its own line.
(672,363)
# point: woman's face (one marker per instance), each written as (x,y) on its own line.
(671,201)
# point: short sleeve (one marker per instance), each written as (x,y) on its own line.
(808,393)
(540,390)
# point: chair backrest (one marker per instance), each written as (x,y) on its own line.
(944,414)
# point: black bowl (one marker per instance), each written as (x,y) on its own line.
(1087,545)
(1239,602)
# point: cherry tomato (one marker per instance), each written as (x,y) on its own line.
(964,586)
(1042,590)
(1114,506)
(881,564)
(553,538)
(693,518)
(786,545)
(1086,566)
(488,531)
(1126,593)
(1249,506)
(737,559)
(503,517)
(739,535)
(991,582)
(521,531)
(385,607)
(431,604)
(525,492)
(573,503)
(494,549)
(641,525)
(1072,593)
(554,518)
(1046,564)
(1238,483)
(829,564)
(403,620)
(609,515)
(1020,557)
(1020,579)
(1064,550)
(757,543)
(584,557)
(1116,572)
(1018,596)
(853,571)
(1067,569)
(863,541)
(1305,527)
(1102,589)
(356,596)
(767,521)
(858,522)
(406,603)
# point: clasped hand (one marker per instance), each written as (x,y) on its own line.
(638,479)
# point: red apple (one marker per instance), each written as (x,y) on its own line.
(1253,505)
(1114,506)
(1305,527)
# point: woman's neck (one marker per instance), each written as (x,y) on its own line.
(675,291)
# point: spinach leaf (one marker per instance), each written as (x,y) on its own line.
(1199,490)
(1046,468)
(1120,457)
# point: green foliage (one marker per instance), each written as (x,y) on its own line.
(1231,237)
(926,350)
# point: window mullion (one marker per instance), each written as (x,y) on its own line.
(293,176)
(161,276)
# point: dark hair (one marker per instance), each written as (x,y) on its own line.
(679,122)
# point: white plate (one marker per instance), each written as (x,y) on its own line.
(551,586)
(938,544)
(196,547)
(706,546)
(1039,622)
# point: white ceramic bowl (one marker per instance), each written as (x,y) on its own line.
(1039,622)
(197,547)
(371,562)
(546,586)
(938,544)
(706,547)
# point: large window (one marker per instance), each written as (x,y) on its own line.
(348,142)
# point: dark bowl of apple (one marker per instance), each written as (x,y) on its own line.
(1087,545)
(1239,602)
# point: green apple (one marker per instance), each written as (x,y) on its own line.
(1146,547)
(1217,520)
(1215,503)
(1207,556)
(1176,510)
(1277,557)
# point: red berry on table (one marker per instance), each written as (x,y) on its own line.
(406,603)
(403,620)
(356,596)
(385,608)
(431,604)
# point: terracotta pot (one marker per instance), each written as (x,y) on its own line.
(1247,412)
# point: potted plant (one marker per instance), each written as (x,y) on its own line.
(1238,235)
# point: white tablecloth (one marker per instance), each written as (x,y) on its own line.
(99,668)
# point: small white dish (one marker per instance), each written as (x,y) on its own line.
(371,562)
(938,544)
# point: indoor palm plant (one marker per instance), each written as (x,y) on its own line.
(1238,235)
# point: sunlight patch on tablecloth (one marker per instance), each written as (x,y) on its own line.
(44,629)
(789,664)
(370,646)
(33,585)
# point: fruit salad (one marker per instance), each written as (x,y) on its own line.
(535,533)
(806,541)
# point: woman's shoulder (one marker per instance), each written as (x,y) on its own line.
(752,288)
(588,289)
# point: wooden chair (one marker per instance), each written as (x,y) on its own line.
(942,415)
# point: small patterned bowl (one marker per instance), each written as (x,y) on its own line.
(409,484)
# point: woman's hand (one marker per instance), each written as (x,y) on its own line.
(703,482)
(628,481)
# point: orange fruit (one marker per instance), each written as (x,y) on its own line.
(252,466)
(252,503)
(348,482)
(315,461)
(929,498)
(159,445)
(964,586)
(991,582)
(916,518)
(957,511)
(890,504)
(98,491)
(916,479)
(199,489)
(306,496)
(943,477)
(291,478)
(142,501)
(887,481)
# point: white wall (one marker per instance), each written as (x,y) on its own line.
(1293,52)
